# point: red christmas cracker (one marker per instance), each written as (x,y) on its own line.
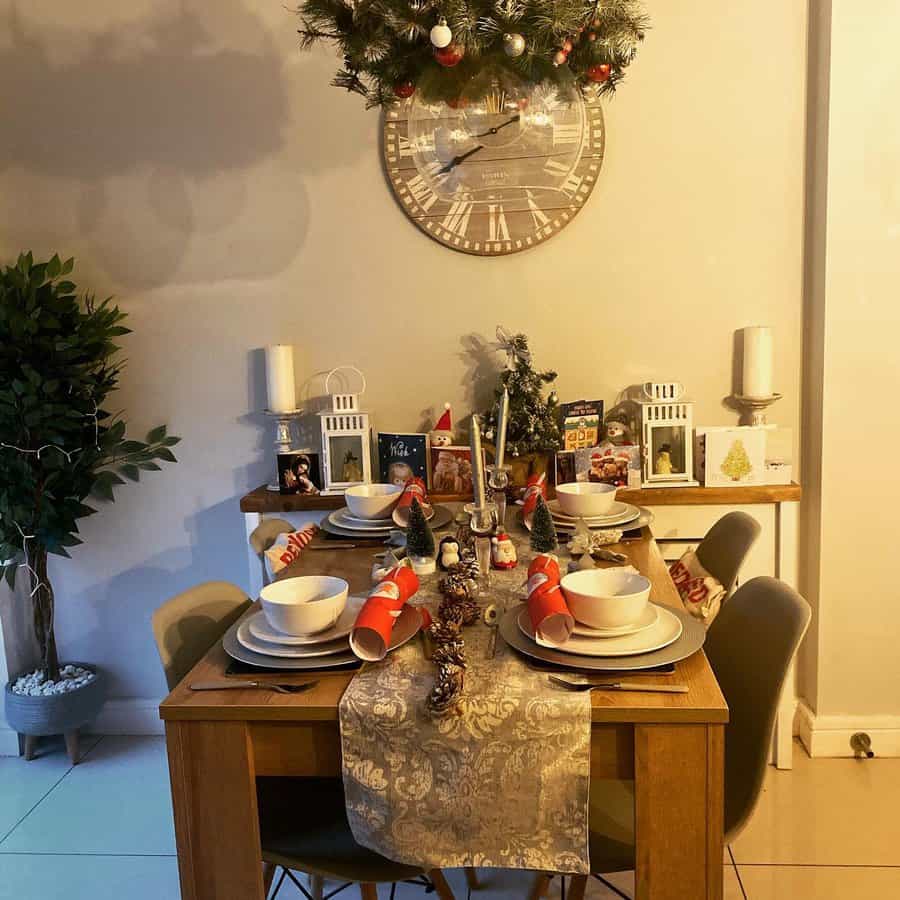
(287,547)
(537,487)
(547,608)
(414,489)
(371,635)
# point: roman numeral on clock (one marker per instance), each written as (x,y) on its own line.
(498,230)
(572,184)
(422,194)
(457,220)
(539,217)
(404,148)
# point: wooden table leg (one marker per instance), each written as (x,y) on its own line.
(216,820)
(679,809)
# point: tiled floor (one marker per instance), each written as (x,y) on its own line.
(103,831)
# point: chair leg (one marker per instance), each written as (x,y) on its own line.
(577,887)
(610,886)
(268,876)
(472,878)
(540,888)
(72,746)
(440,885)
(317,886)
(368,891)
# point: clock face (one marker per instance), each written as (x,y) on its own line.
(498,174)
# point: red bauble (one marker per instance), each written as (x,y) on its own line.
(567,45)
(599,72)
(450,55)
(560,57)
(404,89)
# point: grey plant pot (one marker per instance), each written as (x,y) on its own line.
(57,713)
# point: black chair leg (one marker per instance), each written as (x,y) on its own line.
(611,887)
(274,893)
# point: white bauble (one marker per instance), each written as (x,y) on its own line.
(441,35)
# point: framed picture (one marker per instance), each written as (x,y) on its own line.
(402,456)
(299,472)
(565,466)
(451,470)
(608,463)
(581,424)
(731,457)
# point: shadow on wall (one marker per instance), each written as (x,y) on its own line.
(142,138)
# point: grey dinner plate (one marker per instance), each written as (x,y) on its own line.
(442,516)
(692,639)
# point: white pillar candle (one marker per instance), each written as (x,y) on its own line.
(502,416)
(280,378)
(477,463)
(758,362)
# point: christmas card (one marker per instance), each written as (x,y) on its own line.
(401,457)
(730,457)
(581,424)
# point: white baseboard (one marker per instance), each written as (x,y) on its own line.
(130,715)
(825,736)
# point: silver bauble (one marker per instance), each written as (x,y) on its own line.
(513,45)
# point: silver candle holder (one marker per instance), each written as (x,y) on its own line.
(755,407)
(283,442)
(482,524)
(498,481)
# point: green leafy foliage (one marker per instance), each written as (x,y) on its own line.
(532,423)
(386,42)
(419,537)
(59,445)
(543,531)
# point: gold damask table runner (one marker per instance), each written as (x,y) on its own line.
(504,783)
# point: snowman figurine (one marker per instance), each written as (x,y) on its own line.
(503,552)
(448,553)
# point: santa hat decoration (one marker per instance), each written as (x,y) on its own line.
(443,423)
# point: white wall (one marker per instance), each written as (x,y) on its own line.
(201,169)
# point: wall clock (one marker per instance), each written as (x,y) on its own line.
(498,174)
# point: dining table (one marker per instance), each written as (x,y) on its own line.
(219,742)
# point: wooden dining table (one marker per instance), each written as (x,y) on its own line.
(219,742)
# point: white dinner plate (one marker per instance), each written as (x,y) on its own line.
(358,520)
(260,628)
(665,631)
(339,518)
(617,508)
(647,619)
(645,517)
(628,514)
(408,623)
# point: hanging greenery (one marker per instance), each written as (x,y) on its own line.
(394,48)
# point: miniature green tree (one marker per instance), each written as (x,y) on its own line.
(58,445)
(419,538)
(736,464)
(543,531)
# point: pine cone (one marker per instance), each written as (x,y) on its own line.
(471,611)
(466,568)
(447,690)
(455,587)
(451,653)
(443,631)
(451,611)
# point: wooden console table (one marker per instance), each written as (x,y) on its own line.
(682,516)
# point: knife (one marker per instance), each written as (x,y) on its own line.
(235,684)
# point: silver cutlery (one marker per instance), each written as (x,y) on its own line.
(619,686)
(234,684)
(491,618)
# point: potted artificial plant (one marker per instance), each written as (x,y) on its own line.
(59,446)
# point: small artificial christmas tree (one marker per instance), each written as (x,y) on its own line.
(532,425)
(543,531)
(736,464)
(419,541)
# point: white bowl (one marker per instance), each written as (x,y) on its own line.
(305,604)
(373,501)
(586,498)
(606,598)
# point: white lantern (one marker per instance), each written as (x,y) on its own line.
(667,436)
(346,439)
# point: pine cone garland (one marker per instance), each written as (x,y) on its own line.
(455,587)
(451,611)
(471,611)
(443,632)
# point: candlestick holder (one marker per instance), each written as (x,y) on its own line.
(283,439)
(755,407)
(498,481)
(482,524)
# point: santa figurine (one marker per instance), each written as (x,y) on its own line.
(442,435)
(503,552)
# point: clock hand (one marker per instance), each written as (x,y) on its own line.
(458,159)
(496,128)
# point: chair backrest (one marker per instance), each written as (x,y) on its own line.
(750,645)
(726,545)
(263,536)
(186,626)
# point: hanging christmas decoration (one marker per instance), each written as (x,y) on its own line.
(513,45)
(441,35)
(450,56)
(396,43)
(404,89)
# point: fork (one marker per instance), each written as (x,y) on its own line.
(620,686)
(266,685)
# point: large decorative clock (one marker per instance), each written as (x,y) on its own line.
(498,173)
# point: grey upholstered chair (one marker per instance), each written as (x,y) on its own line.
(726,545)
(750,646)
(263,536)
(186,626)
